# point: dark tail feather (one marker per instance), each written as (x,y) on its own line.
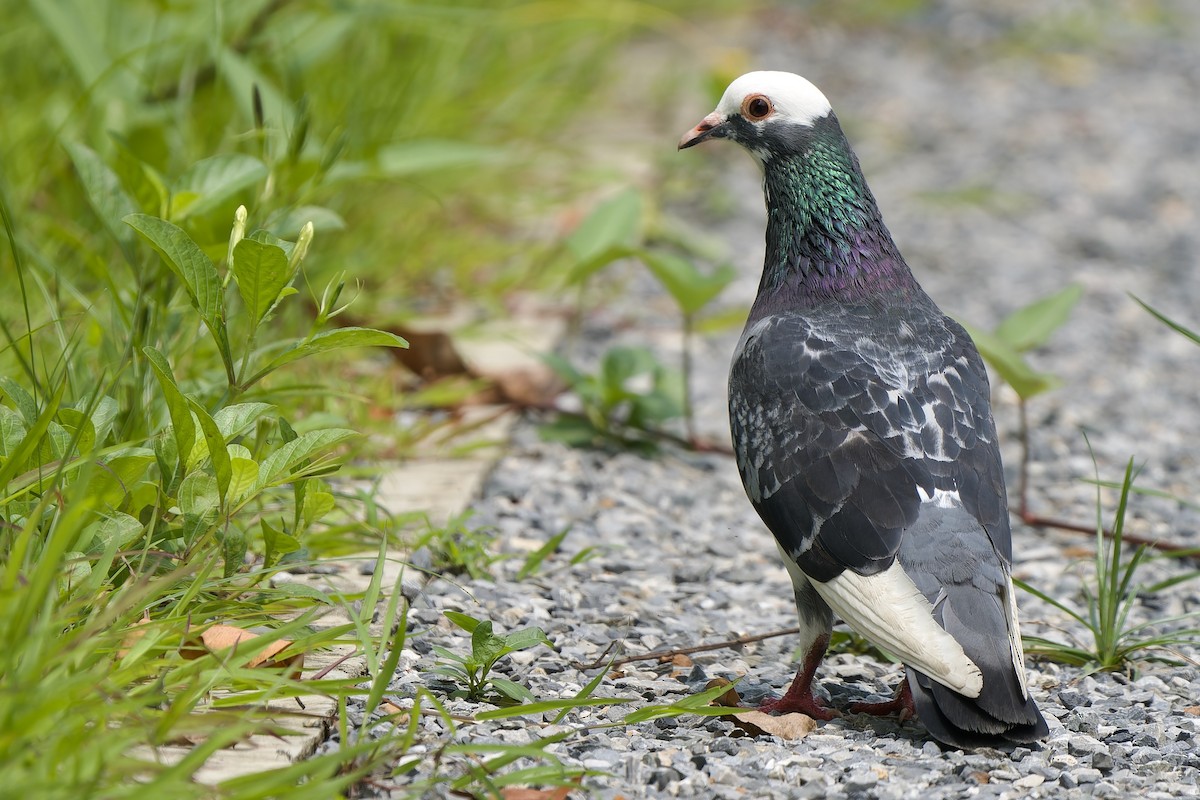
(958,721)
(1001,714)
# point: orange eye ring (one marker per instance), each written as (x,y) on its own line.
(757,107)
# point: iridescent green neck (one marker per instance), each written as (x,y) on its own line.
(825,236)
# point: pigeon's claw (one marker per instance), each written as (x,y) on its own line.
(901,705)
(799,697)
(802,703)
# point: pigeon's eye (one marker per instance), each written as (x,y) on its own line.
(756,107)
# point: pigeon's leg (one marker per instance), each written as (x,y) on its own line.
(901,704)
(816,621)
(799,696)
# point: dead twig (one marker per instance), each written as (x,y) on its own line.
(662,655)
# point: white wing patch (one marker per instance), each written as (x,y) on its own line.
(888,610)
(942,498)
(1014,636)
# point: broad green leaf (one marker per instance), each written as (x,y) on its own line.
(105,193)
(216,449)
(236,419)
(243,476)
(464,621)
(613,225)
(527,638)
(20,398)
(188,262)
(110,485)
(143,181)
(119,531)
(1032,325)
(691,288)
(334,340)
(434,155)
(233,549)
(183,426)
(276,543)
(279,467)
(261,271)
(199,500)
(12,431)
(511,689)
(19,454)
(486,646)
(1011,366)
(103,416)
(316,505)
(213,181)
(78,426)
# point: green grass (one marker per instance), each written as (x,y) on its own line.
(192,193)
(1110,594)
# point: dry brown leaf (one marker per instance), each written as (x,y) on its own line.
(223,637)
(132,636)
(730,698)
(430,354)
(531,386)
(785,726)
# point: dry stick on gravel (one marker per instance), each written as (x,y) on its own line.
(659,655)
(1038,521)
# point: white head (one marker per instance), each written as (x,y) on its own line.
(756,102)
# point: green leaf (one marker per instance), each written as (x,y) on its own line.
(213,181)
(1011,365)
(105,193)
(1032,325)
(691,288)
(119,530)
(188,262)
(110,485)
(534,560)
(243,477)
(261,271)
(527,638)
(199,500)
(216,449)
(78,426)
(511,689)
(20,398)
(334,340)
(236,419)
(1170,323)
(177,405)
(612,226)
(278,467)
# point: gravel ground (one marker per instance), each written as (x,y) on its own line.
(1013,150)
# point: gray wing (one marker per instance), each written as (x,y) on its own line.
(846,420)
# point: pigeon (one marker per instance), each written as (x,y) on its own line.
(863,432)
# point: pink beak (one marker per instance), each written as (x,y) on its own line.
(701,132)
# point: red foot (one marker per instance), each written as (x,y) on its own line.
(901,704)
(802,703)
(799,696)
